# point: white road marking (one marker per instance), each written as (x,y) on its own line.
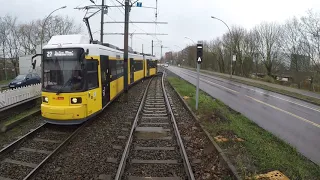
(296,103)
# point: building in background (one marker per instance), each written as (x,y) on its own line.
(168,56)
(25,65)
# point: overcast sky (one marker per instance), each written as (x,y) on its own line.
(189,18)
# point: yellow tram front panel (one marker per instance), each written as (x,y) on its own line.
(60,107)
(94,101)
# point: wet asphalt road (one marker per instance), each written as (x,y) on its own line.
(295,121)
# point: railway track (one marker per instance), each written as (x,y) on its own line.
(154,148)
(22,158)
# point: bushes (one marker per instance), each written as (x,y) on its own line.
(268,79)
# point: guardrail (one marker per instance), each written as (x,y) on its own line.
(12,97)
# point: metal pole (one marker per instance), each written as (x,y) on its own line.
(199,60)
(197,92)
(44,22)
(231,65)
(42,36)
(131,36)
(126,34)
(161,54)
(102,21)
(4,58)
(231,40)
(152,48)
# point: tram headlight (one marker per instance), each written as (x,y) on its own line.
(76,100)
(45,99)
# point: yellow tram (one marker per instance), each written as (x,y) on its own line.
(79,78)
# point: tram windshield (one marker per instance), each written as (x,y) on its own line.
(62,71)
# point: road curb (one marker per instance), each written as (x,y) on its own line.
(4,128)
(224,157)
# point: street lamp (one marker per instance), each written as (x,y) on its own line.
(231,45)
(178,52)
(44,25)
(190,39)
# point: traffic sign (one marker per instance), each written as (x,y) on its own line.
(199,61)
(139,4)
(199,53)
(234,58)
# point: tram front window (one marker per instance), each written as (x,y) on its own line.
(62,73)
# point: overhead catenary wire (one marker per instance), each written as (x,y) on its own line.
(82,2)
(132,22)
(123,27)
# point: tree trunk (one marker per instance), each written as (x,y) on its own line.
(4,62)
(268,67)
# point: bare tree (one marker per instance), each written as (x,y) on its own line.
(3,41)
(249,53)
(14,50)
(267,37)
(217,50)
(29,36)
(57,25)
(310,32)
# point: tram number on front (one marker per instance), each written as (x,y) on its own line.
(49,54)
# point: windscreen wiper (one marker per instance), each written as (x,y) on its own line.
(59,91)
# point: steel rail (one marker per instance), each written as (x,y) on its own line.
(8,148)
(126,149)
(16,143)
(56,150)
(186,161)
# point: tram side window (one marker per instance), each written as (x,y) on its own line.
(119,68)
(92,74)
(138,65)
(151,64)
(113,69)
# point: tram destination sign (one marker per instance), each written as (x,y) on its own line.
(62,53)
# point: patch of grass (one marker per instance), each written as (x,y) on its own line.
(261,151)
(269,79)
(21,115)
(5,82)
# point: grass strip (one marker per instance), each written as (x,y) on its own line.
(5,82)
(260,152)
(21,115)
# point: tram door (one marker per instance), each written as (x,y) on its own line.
(148,67)
(131,70)
(105,79)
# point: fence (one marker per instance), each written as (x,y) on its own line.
(12,97)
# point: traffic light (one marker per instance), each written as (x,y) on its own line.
(199,53)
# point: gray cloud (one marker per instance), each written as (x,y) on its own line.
(185,17)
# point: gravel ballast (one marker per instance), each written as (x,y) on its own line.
(90,155)
(206,162)
(152,161)
(20,130)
